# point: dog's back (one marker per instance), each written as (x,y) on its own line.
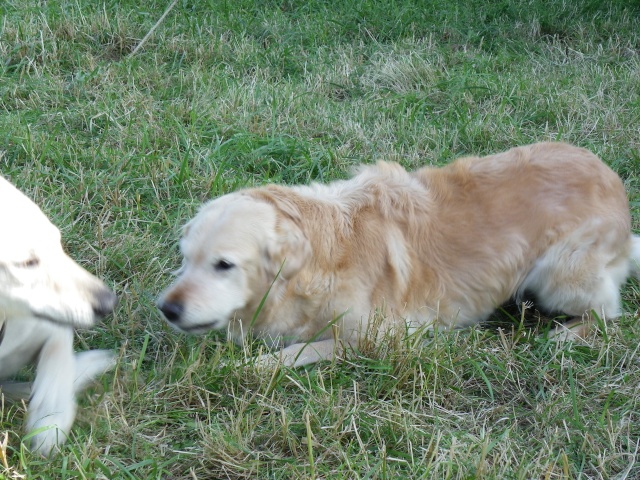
(499,215)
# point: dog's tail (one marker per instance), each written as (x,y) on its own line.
(635,256)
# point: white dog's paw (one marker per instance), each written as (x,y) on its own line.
(52,408)
(45,440)
(90,365)
(50,416)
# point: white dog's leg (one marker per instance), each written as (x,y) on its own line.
(60,377)
(52,407)
(300,354)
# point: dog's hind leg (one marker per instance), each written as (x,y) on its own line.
(581,275)
(635,256)
(605,302)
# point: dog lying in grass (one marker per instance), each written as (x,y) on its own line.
(438,246)
(44,294)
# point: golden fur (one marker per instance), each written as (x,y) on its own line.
(440,246)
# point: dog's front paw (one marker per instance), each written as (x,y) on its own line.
(44,438)
(90,365)
(270,360)
(300,354)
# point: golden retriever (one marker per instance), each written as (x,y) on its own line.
(438,246)
(44,294)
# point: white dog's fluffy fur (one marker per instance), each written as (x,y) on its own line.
(443,246)
(44,294)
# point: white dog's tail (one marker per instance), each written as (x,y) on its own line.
(635,256)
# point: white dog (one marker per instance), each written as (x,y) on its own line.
(442,246)
(44,294)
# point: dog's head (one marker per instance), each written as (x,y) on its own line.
(233,250)
(37,278)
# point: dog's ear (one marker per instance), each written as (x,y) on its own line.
(184,235)
(186,228)
(288,252)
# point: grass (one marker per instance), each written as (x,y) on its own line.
(121,148)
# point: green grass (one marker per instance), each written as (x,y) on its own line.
(120,150)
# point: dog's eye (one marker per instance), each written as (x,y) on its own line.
(222,265)
(31,263)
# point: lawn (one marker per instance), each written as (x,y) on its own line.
(120,122)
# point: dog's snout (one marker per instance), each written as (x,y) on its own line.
(172,310)
(104,303)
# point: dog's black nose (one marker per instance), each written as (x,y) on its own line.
(172,310)
(104,303)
